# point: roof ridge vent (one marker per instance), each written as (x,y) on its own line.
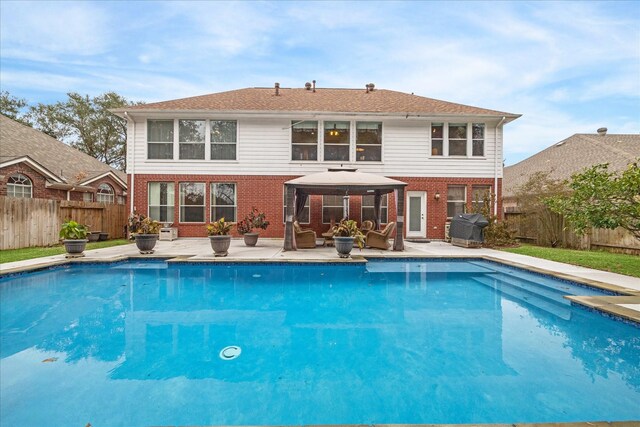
(602,131)
(277,87)
(369,87)
(307,86)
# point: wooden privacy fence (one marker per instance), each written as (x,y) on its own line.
(36,222)
(618,240)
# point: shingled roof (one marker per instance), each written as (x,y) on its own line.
(68,164)
(323,100)
(572,155)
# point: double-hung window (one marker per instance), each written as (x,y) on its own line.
(456,200)
(336,141)
(192,205)
(332,209)
(191,138)
(223,201)
(223,139)
(304,217)
(479,194)
(457,139)
(437,139)
(368,208)
(478,139)
(105,194)
(19,185)
(159,139)
(368,141)
(304,140)
(161,201)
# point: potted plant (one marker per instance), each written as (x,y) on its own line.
(345,235)
(218,232)
(254,219)
(145,232)
(74,237)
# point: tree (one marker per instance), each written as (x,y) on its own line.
(86,124)
(12,107)
(602,199)
(536,215)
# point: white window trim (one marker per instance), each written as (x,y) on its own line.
(111,196)
(173,147)
(464,201)
(204,206)
(176,137)
(22,177)
(149,205)
(445,140)
(212,199)
(355,142)
(349,145)
(209,143)
(291,144)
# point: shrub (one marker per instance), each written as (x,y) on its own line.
(72,230)
(349,228)
(142,224)
(252,220)
(219,227)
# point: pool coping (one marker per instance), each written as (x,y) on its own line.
(633,423)
(611,306)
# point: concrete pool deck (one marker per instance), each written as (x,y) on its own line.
(271,250)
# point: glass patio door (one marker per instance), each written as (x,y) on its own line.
(417,214)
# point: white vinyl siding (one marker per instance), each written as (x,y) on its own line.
(264,148)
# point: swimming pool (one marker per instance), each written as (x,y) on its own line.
(387,341)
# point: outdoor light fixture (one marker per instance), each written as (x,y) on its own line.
(437,195)
(334,131)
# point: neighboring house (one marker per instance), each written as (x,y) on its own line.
(193,160)
(35,165)
(570,156)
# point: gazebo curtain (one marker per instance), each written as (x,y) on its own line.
(301,200)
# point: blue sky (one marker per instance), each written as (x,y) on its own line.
(568,67)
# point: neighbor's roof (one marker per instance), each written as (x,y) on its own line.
(323,100)
(572,155)
(72,166)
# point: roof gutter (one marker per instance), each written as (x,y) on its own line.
(69,187)
(495,168)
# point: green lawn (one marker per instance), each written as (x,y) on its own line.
(29,253)
(599,260)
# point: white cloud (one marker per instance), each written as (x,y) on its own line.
(48,29)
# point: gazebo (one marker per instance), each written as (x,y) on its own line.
(342,182)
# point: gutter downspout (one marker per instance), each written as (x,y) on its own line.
(132,163)
(495,168)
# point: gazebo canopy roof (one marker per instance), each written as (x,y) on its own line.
(341,181)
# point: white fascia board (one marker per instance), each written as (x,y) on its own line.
(109,173)
(35,165)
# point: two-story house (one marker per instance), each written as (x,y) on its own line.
(194,160)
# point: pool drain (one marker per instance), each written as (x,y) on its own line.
(230,352)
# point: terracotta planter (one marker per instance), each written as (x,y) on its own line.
(75,247)
(146,242)
(344,245)
(250,239)
(220,244)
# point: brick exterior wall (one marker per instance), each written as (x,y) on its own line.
(39,190)
(266,194)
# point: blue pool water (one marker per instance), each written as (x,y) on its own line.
(143,343)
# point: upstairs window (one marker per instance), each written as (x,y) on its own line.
(368,141)
(456,200)
(191,139)
(478,139)
(304,140)
(161,201)
(105,194)
(336,141)
(19,185)
(368,208)
(160,139)
(458,139)
(223,202)
(437,139)
(223,139)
